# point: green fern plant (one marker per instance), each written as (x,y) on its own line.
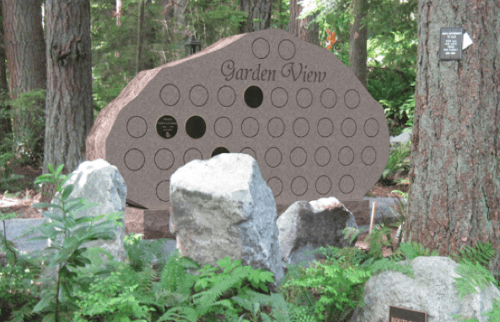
(102,300)
(57,303)
(211,286)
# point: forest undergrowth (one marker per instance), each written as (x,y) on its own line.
(134,291)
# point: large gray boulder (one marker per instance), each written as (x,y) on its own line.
(432,290)
(305,226)
(223,206)
(98,182)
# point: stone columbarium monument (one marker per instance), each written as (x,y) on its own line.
(312,127)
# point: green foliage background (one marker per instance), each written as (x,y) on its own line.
(392,44)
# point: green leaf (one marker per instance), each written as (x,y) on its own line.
(69,222)
(66,178)
(66,274)
(71,242)
(59,169)
(45,178)
(44,302)
(78,205)
(53,216)
(67,191)
(49,318)
(51,168)
(48,230)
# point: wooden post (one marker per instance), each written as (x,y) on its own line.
(374,211)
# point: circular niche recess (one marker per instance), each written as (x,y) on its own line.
(253,96)
(219,150)
(137,127)
(166,127)
(196,127)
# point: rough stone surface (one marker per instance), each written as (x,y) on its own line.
(222,206)
(312,127)
(134,220)
(99,182)
(432,290)
(308,225)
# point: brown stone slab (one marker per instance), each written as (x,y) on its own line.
(360,210)
(156,224)
(312,127)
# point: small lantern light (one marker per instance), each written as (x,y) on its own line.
(192,46)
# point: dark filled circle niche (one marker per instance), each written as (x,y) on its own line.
(219,150)
(196,127)
(253,96)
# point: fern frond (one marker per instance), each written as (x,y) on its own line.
(280,308)
(386,265)
(472,276)
(174,277)
(301,313)
(141,254)
(185,314)
(482,253)
(26,311)
(412,250)
(352,255)
(208,298)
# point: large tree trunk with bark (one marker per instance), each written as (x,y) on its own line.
(258,10)
(454,195)
(358,38)
(5,123)
(302,28)
(25,48)
(69,85)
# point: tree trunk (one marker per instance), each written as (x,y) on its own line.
(259,10)
(5,123)
(139,36)
(299,27)
(69,85)
(118,12)
(358,38)
(25,47)
(455,187)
